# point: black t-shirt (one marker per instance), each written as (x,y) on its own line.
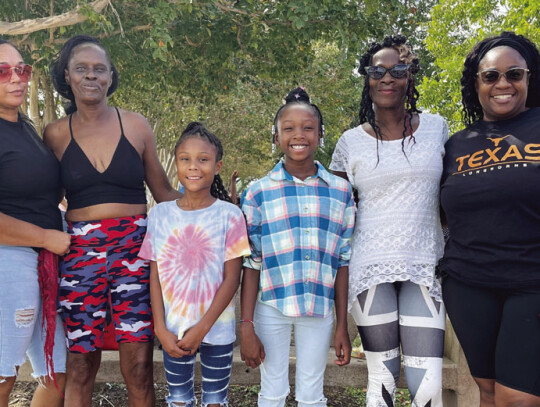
(29,176)
(490,193)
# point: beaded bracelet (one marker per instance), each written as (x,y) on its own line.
(248,320)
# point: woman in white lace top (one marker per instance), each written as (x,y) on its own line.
(394,161)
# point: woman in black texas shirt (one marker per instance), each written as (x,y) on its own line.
(490,194)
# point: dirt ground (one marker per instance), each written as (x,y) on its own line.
(114,395)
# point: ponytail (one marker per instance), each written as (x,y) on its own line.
(217,190)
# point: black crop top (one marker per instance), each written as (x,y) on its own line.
(29,176)
(121,182)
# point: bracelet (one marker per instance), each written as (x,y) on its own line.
(248,320)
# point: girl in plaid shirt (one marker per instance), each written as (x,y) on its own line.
(300,219)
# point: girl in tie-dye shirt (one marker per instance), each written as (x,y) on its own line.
(196,245)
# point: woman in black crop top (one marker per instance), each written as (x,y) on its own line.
(490,193)
(29,222)
(106,155)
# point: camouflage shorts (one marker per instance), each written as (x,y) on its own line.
(103,260)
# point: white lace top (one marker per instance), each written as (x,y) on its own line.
(398,234)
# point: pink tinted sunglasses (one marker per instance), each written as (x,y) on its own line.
(23,71)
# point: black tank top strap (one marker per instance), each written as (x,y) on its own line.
(70,129)
(120,121)
(121,182)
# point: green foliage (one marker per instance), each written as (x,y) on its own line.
(456,25)
(230,63)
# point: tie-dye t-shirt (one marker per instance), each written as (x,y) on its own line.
(190,248)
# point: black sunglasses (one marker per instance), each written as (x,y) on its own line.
(491,76)
(397,71)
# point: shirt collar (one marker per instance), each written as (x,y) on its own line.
(279,173)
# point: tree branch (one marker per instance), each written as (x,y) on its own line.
(233,10)
(31,25)
(229,9)
(121,31)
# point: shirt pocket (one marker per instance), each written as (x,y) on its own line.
(333,216)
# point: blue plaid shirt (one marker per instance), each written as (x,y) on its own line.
(299,232)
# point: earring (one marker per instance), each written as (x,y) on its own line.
(321,141)
(273,139)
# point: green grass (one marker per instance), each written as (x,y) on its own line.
(358,397)
(246,396)
(114,395)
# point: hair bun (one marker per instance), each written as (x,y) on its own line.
(193,125)
(297,95)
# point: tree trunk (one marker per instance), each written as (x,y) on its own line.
(34,99)
(24,106)
(49,111)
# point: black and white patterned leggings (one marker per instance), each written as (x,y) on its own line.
(395,318)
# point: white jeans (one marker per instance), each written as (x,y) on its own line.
(312,342)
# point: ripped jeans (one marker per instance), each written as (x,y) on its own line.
(20,315)
(216,366)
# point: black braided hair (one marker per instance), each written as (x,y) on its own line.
(60,64)
(196,129)
(472,110)
(295,97)
(406,55)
